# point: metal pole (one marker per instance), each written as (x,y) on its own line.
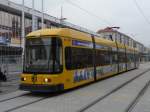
(23,29)
(42,14)
(33,19)
(61,16)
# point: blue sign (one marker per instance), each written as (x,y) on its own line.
(82,43)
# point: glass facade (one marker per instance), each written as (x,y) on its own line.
(10,35)
(10,26)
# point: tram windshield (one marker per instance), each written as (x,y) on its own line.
(43,55)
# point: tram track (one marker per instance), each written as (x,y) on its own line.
(89,105)
(20,100)
(26,104)
(7,99)
(137,98)
(36,99)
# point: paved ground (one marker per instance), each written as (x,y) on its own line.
(120,100)
(144,104)
(13,76)
(12,83)
(75,100)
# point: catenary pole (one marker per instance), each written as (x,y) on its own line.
(23,27)
(42,14)
(33,16)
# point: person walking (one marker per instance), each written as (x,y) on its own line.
(2,76)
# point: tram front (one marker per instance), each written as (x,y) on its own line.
(42,64)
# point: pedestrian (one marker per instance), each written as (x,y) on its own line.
(2,76)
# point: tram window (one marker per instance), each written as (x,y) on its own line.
(114,57)
(57,54)
(107,58)
(43,55)
(130,57)
(103,58)
(77,58)
(121,57)
(100,58)
(133,57)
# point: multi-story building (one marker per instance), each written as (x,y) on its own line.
(112,34)
(11,22)
(11,17)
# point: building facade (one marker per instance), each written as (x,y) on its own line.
(11,22)
(112,34)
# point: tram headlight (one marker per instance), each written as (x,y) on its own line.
(47,80)
(23,79)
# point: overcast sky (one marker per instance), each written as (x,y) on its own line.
(121,13)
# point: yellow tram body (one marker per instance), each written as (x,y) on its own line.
(70,77)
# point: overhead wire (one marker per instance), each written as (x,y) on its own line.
(141,11)
(88,12)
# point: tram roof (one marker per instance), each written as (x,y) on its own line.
(63,32)
(66,32)
(105,42)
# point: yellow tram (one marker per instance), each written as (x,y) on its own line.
(63,58)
